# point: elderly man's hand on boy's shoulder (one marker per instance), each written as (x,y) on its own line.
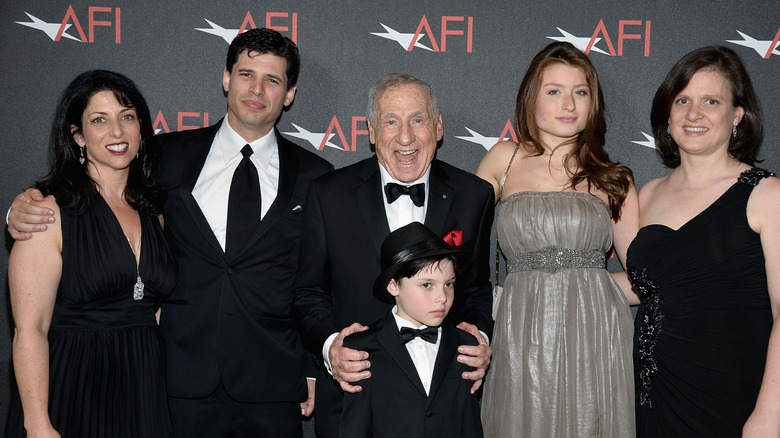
(349,365)
(477,356)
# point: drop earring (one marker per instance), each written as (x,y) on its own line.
(734,132)
(82,158)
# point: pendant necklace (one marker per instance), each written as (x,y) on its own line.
(138,287)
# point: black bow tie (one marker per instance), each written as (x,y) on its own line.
(428,334)
(416,192)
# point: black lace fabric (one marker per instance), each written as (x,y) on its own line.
(649,330)
(753,176)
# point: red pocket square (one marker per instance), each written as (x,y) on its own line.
(454,238)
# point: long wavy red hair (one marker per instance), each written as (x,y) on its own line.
(591,160)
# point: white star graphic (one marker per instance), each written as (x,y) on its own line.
(486,142)
(578,42)
(216,29)
(315,138)
(404,39)
(50,29)
(649,142)
(760,46)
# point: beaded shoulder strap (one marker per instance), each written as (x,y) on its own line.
(500,196)
(754,175)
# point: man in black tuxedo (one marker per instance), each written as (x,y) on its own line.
(236,365)
(350,212)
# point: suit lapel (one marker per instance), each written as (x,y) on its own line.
(288,173)
(448,347)
(390,339)
(371,206)
(196,157)
(439,199)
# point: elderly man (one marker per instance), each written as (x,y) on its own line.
(349,213)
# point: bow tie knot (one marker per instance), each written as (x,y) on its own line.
(428,334)
(415,192)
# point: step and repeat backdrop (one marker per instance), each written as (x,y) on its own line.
(473,53)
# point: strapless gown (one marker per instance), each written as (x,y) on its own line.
(561,363)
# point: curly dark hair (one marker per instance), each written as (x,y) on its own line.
(592,161)
(68,180)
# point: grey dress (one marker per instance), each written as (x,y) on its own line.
(561,363)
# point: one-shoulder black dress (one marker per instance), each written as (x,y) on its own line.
(702,330)
(106,351)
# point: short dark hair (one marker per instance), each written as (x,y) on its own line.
(729,64)
(266,41)
(412,267)
(68,180)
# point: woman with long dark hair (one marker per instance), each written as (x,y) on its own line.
(88,354)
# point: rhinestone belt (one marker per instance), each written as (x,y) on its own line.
(555,258)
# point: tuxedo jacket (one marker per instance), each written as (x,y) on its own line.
(231,319)
(345,224)
(393,402)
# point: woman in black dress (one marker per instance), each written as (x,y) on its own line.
(706,261)
(88,354)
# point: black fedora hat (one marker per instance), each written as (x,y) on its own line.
(410,242)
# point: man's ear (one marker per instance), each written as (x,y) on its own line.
(371,134)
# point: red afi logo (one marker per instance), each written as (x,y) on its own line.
(450,26)
(97,16)
(319,140)
(185,121)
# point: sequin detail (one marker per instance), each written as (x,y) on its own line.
(555,258)
(138,289)
(753,176)
(649,330)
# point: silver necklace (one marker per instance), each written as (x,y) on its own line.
(138,287)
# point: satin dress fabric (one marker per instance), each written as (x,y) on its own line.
(561,364)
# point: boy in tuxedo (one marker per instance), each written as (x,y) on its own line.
(416,389)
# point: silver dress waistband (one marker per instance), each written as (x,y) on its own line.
(555,258)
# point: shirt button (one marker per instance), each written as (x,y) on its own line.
(231,271)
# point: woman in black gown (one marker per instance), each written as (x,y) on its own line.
(706,261)
(88,354)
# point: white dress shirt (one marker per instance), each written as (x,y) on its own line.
(423,353)
(212,189)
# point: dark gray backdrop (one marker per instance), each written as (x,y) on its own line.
(473,53)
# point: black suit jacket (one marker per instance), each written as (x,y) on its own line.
(393,402)
(231,319)
(345,224)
